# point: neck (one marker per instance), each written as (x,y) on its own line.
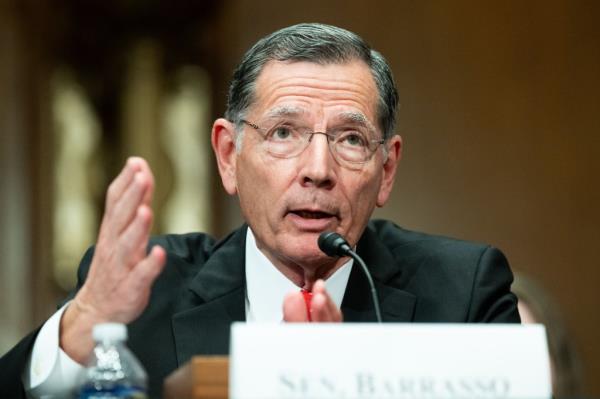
(302,272)
(305,275)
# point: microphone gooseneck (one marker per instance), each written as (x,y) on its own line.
(334,245)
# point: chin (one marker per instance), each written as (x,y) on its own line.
(304,249)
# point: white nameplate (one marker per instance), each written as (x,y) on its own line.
(399,361)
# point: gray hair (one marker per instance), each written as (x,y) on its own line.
(320,44)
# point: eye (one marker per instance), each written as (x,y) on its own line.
(353,139)
(281,133)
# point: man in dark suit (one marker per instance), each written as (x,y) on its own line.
(308,145)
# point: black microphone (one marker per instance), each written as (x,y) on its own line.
(334,245)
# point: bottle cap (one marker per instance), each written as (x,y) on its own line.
(109,332)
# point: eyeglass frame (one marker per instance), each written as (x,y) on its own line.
(330,141)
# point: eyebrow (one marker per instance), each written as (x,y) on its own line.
(285,111)
(346,117)
(356,117)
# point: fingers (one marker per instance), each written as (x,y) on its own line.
(294,308)
(133,187)
(120,252)
(121,182)
(134,240)
(323,309)
(145,272)
(145,169)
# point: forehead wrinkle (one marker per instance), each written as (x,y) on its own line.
(352,76)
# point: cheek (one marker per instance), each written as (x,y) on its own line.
(361,203)
(260,185)
(253,187)
(250,186)
(365,191)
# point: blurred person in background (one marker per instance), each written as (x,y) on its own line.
(536,306)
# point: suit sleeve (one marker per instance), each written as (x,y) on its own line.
(12,364)
(491,300)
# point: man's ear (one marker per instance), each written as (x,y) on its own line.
(223,143)
(394,146)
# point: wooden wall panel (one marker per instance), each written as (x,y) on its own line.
(499,120)
(499,107)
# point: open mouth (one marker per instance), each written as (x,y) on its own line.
(312,214)
(313,220)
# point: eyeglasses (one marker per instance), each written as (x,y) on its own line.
(350,146)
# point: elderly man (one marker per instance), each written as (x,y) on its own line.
(308,145)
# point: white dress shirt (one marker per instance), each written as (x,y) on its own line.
(51,373)
(266,286)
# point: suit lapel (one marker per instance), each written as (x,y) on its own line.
(216,299)
(396,305)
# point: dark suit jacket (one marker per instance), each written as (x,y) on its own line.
(419,278)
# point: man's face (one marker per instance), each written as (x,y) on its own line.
(288,202)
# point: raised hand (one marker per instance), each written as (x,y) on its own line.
(121,274)
(323,309)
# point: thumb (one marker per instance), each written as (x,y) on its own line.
(294,308)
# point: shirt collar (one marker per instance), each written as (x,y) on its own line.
(266,286)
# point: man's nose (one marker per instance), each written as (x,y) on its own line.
(317,163)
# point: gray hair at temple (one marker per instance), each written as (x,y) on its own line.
(318,43)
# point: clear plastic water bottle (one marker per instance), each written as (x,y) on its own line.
(112,371)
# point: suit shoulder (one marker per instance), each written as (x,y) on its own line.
(190,247)
(396,239)
(454,280)
(418,252)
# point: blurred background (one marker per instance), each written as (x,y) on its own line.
(499,114)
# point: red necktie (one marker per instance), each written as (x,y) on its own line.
(307,298)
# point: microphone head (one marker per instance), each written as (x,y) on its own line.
(333,244)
